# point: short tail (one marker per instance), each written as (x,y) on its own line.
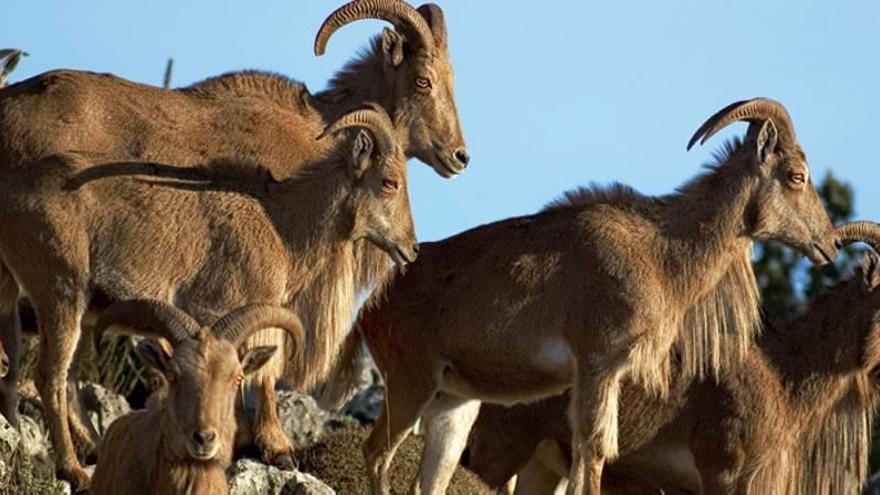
(344,374)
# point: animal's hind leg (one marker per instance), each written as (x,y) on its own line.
(594,402)
(404,402)
(59,326)
(10,336)
(448,420)
(274,446)
(85,436)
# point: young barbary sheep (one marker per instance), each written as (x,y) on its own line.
(264,118)
(182,443)
(208,246)
(794,418)
(596,287)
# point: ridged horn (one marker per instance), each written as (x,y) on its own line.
(147,317)
(860,231)
(240,324)
(754,110)
(433,14)
(373,118)
(397,12)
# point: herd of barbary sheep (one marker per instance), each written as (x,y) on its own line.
(613,339)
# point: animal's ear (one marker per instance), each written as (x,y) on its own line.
(870,271)
(766,142)
(361,151)
(254,358)
(392,47)
(152,354)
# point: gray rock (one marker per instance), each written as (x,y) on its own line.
(9,444)
(248,477)
(102,405)
(366,404)
(302,420)
(872,487)
(34,439)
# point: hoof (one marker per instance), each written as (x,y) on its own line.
(77,477)
(285,461)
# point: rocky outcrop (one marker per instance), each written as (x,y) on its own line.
(249,477)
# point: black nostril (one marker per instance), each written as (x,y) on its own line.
(462,156)
(204,437)
(4,361)
(838,243)
(415,249)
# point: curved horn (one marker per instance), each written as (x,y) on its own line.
(433,14)
(399,13)
(244,322)
(374,119)
(860,231)
(753,110)
(147,317)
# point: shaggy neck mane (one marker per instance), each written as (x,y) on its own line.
(362,79)
(818,357)
(702,237)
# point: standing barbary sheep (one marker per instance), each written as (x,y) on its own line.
(247,116)
(182,442)
(794,418)
(208,246)
(595,288)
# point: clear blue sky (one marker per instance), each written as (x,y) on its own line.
(551,94)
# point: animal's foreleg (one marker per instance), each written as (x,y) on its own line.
(538,477)
(404,402)
(448,421)
(274,446)
(594,426)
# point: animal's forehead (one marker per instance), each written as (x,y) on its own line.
(204,359)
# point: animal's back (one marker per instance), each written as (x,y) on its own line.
(232,116)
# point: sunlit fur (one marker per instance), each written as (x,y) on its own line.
(263,118)
(793,418)
(147,451)
(603,281)
(144,231)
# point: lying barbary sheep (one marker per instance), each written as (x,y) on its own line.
(337,461)
(182,442)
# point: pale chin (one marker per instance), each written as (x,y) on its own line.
(203,455)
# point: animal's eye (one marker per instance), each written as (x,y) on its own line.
(423,82)
(390,184)
(796,178)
